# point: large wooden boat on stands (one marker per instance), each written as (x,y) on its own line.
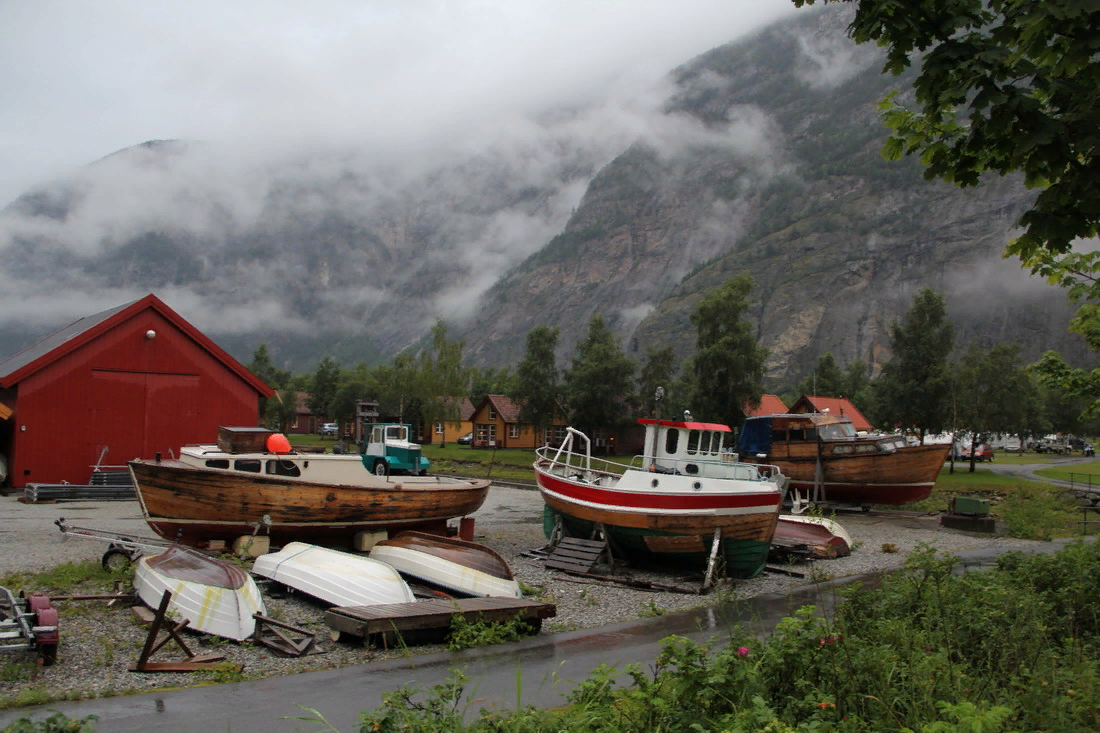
(253,482)
(685,499)
(827,460)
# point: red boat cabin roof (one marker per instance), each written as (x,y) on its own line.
(688,425)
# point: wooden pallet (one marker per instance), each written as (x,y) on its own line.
(432,615)
(577,556)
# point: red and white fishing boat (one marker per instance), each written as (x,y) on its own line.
(687,498)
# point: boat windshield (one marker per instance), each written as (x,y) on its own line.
(837,431)
(705,442)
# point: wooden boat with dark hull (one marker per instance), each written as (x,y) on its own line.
(823,451)
(211,494)
(671,503)
(455,565)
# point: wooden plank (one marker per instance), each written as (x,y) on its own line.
(555,564)
(431,614)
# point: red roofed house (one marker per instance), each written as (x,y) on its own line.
(496,425)
(770,404)
(834,406)
(130,382)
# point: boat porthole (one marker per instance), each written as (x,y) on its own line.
(653,483)
(697,485)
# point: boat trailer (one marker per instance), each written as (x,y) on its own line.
(123,548)
(29,622)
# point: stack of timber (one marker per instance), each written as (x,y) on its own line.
(35,493)
(102,485)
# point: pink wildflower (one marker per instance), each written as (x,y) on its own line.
(743,651)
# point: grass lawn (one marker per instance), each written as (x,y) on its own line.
(1078,473)
(1028,510)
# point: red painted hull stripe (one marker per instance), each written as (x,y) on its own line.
(637,500)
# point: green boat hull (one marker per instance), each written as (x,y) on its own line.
(742,558)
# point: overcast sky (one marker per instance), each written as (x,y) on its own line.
(83,79)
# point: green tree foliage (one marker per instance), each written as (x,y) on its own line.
(858,386)
(354,384)
(268,373)
(658,370)
(826,380)
(1008,86)
(537,384)
(599,385)
(322,392)
(280,410)
(994,393)
(442,381)
(1081,385)
(914,391)
(263,368)
(728,366)
(1004,86)
(490,380)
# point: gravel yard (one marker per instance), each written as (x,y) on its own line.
(99,644)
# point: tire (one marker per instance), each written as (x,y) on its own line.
(381,468)
(48,654)
(423,472)
(115,559)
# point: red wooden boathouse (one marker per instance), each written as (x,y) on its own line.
(125,383)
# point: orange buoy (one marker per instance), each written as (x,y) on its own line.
(277,443)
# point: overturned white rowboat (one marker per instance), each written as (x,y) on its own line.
(334,577)
(466,568)
(214,597)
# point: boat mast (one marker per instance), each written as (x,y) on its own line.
(652,457)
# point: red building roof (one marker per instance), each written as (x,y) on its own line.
(37,356)
(770,404)
(834,406)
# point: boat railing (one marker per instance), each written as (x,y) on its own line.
(707,467)
(588,468)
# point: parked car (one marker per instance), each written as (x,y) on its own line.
(466,439)
(330,429)
(982,453)
(1049,445)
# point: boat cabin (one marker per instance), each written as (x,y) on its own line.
(783,436)
(690,448)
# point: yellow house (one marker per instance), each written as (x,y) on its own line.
(496,425)
(449,432)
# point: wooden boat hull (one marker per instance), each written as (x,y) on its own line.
(195,506)
(214,596)
(902,477)
(466,568)
(821,537)
(674,526)
(339,578)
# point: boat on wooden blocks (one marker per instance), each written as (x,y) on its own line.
(335,577)
(252,481)
(686,499)
(214,597)
(455,565)
(827,460)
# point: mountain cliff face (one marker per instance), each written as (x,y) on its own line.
(764,157)
(784,179)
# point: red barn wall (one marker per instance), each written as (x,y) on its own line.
(121,391)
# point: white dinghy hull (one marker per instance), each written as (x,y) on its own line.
(214,597)
(335,577)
